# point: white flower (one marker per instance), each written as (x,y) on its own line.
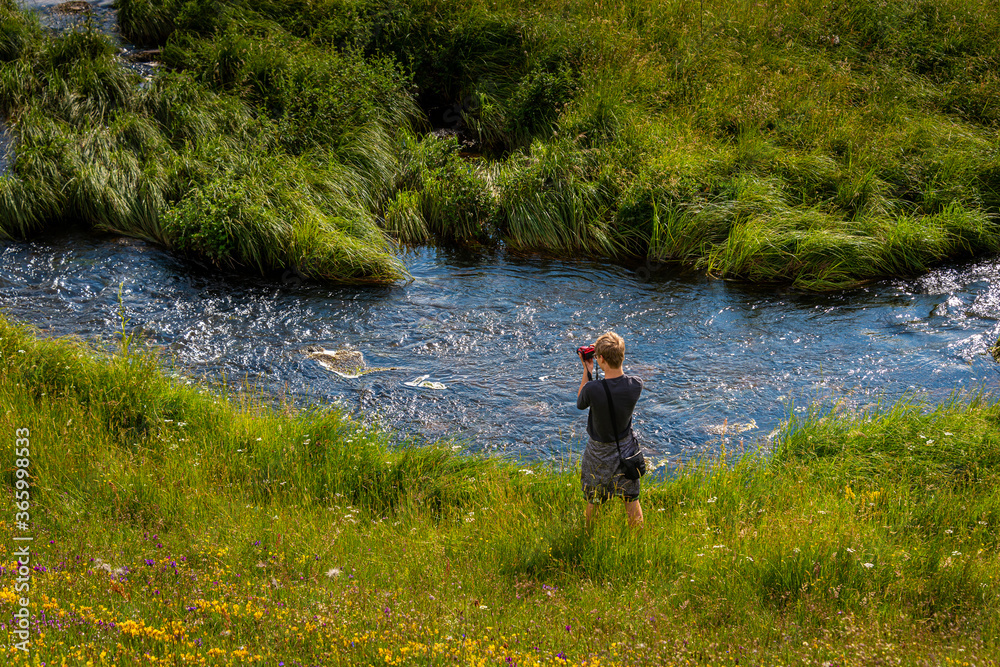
(333,572)
(482,606)
(719,546)
(526,471)
(949,531)
(850,550)
(711,500)
(956,553)
(869,565)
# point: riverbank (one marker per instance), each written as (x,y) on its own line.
(173,521)
(815,145)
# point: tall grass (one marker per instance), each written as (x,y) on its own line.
(177,163)
(615,131)
(213,519)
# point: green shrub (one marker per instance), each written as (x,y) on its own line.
(205,221)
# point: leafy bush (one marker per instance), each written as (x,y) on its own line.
(205,222)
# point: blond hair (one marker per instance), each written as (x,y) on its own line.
(611,347)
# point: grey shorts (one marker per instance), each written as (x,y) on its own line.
(600,472)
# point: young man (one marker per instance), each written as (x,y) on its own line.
(602,478)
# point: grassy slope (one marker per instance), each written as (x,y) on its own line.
(812,143)
(205,528)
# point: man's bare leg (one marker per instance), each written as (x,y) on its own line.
(634,512)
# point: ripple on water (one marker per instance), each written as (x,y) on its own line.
(500,333)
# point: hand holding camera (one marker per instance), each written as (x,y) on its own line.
(586,354)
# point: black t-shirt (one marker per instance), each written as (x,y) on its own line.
(625,391)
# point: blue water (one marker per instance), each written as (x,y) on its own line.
(500,333)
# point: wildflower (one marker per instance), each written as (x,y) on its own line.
(869,565)
(482,606)
(956,553)
(949,531)
(333,572)
(711,500)
(850,550)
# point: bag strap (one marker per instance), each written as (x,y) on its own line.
(611,409)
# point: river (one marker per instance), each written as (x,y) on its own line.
(500,333)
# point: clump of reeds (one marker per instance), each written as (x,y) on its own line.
(148,160)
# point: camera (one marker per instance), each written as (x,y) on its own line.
(587,352)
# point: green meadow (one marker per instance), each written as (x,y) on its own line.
(807,143)
(179,523)
(814,143)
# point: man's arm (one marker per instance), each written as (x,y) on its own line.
(584,380)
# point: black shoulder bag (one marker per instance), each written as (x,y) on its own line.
(634,466)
